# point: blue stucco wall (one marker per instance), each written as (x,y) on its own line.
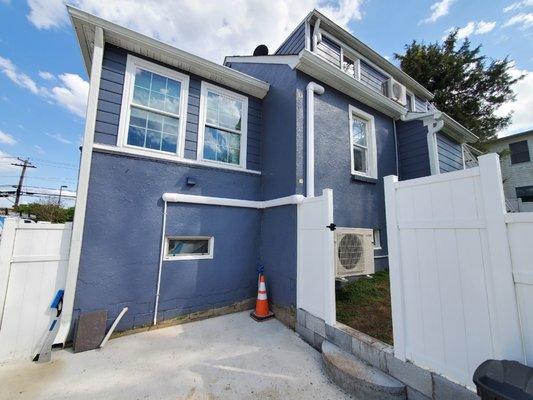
(110,99)
(122,237)
(413,154)
(356,204)
(450,153)
(294,43)
(278,178)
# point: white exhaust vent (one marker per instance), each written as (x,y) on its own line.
(397,92)
(354,252)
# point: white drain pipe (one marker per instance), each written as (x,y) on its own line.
(213,201)
(312,88)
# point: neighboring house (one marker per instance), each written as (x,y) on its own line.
(517,169)
(161,120)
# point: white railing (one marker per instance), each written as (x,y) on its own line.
(455,258)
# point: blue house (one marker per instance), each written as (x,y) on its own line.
(233,148)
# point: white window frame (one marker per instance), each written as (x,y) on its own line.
(376,239)
(211,247)
(412,97)
(132,63)
(208,87)
(371,143)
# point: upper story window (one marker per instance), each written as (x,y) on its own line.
(519,152)
(363,143)
(154,107)
(223,126)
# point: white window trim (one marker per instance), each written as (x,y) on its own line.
(376,238)
(371,143)
(413,99)
(202,121)
(127,97)
(211,247)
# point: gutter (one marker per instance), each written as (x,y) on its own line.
(213,201)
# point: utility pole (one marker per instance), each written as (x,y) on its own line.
(25,165)
(61,192)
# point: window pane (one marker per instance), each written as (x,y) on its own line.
(156,91)
(359,159)
(222,146)
(178,247)
(224,112)
(147,128)
(359,132)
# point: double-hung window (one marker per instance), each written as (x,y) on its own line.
(362,143)
(154,107)
(223,126)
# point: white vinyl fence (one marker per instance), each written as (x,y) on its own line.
(316,271)
(33,267)
(456,259)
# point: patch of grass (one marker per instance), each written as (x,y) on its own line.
(365,305)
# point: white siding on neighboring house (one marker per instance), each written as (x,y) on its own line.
(515,175)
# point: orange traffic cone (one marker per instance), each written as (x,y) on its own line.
(261,312)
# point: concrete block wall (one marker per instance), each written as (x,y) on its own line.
(421,384)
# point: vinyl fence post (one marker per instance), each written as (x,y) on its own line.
(6,251)
(502,299)
(395,268)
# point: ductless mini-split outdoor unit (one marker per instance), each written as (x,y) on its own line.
(397,91)
(354,252)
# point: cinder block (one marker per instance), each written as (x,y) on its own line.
(372,352)
(318,341)
(315,324)
(307,335)
(300,316)
(340,338)
(410,374)
(444,389)
(414,395)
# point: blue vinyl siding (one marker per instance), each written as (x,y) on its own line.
(373,78)
(413,154)
(450,153)
(110,100)
(294,43)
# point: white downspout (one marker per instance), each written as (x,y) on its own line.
(161,255)
(433,127)
(312,88)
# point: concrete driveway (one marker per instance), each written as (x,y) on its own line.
(228,357)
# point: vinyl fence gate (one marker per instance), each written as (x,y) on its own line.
(33,267)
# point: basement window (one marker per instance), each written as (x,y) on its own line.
(189,247)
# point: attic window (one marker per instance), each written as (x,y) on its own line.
(152,115)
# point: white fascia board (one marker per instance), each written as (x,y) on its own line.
(85,24)
(290,60)
(223,201)
(457,131)
(313,65)
(372,55)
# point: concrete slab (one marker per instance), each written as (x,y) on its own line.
(227,357)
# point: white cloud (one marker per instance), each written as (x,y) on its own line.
(438,10)
(45,14)
(72,94)
(6,161)
(47,76)
(522,118)
(523,19)
(60,138)
(6,138)
(518,5)
(39,149)
(210,29)
(19,78)
(472,28)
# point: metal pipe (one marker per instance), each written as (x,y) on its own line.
(311,89)
(160,260)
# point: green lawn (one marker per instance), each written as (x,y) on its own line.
(365,305)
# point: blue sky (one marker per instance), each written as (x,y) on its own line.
(43,83)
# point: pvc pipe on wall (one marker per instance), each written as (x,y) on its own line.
(213,201)
(312,88)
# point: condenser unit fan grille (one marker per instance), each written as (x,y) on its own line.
(350,251)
